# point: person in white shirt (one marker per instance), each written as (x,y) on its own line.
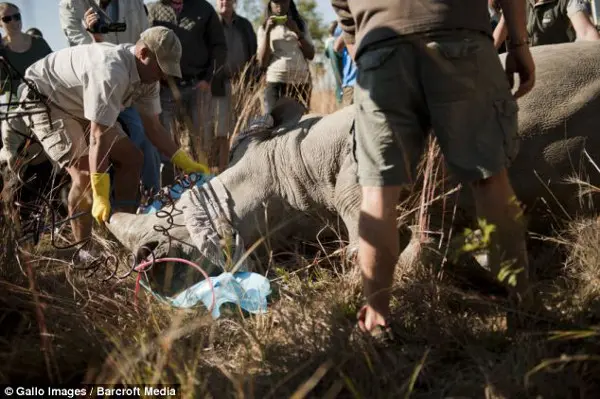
(76,16)
(79,94)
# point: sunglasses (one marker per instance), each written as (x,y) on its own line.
(8,18)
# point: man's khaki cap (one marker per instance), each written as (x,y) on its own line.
(163,42)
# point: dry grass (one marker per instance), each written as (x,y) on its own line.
(59,326)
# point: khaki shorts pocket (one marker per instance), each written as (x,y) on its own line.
(452,69)
(376,58)
(56,142)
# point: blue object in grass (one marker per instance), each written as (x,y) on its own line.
(176,190)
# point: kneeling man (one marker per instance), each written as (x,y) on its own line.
(80,92)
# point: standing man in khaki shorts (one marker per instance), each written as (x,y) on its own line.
(432,64)
(85,88)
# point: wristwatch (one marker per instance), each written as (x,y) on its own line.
(514,44)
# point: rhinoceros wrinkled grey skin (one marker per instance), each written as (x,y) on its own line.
(289,185)
(305,175)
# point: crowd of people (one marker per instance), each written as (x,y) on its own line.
(115,95)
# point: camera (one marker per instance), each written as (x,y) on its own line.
(101,26)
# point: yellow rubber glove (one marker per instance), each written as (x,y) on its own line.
(100,195)
(187,164)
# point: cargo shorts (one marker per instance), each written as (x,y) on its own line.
(64,137)
(452,84)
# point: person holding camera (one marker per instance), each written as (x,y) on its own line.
(284,49)
(129,17)
(116,22)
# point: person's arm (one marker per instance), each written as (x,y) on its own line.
(339,44)
(102,97)
(264,44)
(518,59)
(577,11)
(71,14)
(148,106)
(160,138)
(346,21)
(101,140)
(91,17)
(158,135)
(514,14)
(583,27)
(304,39)
(500,33)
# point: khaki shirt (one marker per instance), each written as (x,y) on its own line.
(287,64)
(94,82)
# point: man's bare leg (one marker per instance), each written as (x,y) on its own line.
(496,202)
(378,248)
(80,199)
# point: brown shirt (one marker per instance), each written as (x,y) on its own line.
(368,22)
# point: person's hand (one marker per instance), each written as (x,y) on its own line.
(100,196)
(203,85)
(91,18)
(187,164)
(270,24)
(520,61)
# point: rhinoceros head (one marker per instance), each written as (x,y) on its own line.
(161,235)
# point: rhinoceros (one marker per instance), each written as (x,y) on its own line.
(294,180)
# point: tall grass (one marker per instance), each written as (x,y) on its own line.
(59,326)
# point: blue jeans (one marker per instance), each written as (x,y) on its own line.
(135,130)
